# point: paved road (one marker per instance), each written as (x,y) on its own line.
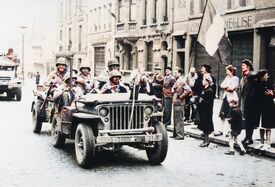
(28,159)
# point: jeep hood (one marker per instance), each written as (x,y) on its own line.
(116,98)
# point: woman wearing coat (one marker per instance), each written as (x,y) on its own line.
(205,108)
(265,93)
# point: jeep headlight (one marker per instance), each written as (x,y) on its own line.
(148,110)
(103,112)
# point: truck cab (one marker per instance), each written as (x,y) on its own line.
(10,83)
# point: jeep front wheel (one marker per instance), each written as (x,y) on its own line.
(158,152)
(10,95)
(37,122)
(84,145)
(58,138)
(18,95)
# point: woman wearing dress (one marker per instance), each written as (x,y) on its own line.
(205,107)
(230,86)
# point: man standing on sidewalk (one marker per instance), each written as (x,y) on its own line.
(249,104)
(181,90)
(168,83)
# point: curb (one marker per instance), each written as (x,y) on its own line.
(195,133)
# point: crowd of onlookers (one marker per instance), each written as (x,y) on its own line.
(248,101)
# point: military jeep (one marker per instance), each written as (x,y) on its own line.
(100,121)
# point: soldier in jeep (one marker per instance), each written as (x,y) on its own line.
(85,79)
(114,84)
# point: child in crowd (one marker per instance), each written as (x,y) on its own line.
(236,126)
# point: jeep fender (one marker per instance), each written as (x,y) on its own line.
(89,119)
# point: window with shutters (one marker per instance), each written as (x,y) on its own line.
(133,10)
(155,11)
(61,11)
(149,56)
(236,5)
(99,61)
(144,21)
(229,4)
(165,18)
(80,38)
(192,7)
(202,4)
(120,11)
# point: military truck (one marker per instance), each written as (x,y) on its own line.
(109,121)
(10,83)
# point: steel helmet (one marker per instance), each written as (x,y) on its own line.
(84,67)
(67,76)
(115,73)
(113,62)
(61,61)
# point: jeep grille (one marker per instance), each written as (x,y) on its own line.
(120,116)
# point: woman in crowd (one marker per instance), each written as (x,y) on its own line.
(230,85)
(265,93)
(205,108)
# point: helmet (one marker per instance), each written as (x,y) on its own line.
(61,61)
(102,78)
(113,62)
(84,67)
(67,77)
(115,73)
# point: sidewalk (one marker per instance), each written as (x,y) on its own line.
(192,131)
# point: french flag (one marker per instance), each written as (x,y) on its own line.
(213,35)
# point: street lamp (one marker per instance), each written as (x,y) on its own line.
(23,27)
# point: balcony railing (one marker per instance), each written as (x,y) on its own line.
(132,25)
(120,26)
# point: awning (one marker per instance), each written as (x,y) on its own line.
(265,23)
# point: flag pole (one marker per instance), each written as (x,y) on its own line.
(195,47)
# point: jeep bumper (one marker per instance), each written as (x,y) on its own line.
(146,138)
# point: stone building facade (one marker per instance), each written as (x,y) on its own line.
(143,33)
(148,33)
(100,35)
(72,29)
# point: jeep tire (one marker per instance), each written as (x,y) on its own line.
(18,94)
(84,146)
(158,152)
(37,122)
(58,139)
(10,95)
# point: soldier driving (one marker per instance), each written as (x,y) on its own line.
(114,85)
